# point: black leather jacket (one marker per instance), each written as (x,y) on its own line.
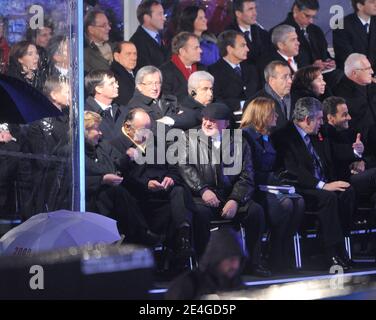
(206,174)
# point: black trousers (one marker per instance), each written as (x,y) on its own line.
(252,220)
(335,211)
(283,216)
(364,184)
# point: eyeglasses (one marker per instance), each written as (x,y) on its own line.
(365,69)
(154,84)
(106,25)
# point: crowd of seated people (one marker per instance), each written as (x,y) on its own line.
(307,119)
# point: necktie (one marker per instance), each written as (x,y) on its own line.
(306,35)
(238,71)
(289,61)
(319,174)
(247,35)
(284,109)
(158,38)
(366,27)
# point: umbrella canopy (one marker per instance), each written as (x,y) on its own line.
(59,229)
(22,103)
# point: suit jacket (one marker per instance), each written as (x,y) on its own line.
(260,43)
(293,156)
(282,119)
(93,58)
(191,116)
(361,103)
(353,38)
(126,83)
(109,126)
(229,87)
(316,48)
(174,82)
(148,50)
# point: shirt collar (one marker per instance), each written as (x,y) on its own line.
(245,29)
(151,33)
(102,105)
(365,21)
(231,64)
(286,57)
(301,131)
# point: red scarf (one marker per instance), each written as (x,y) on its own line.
(180,65)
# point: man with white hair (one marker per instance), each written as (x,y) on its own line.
(355,87)
(286,48)
(200,94)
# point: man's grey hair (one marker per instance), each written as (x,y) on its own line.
(270,69)
(144,71)
(307,107)
(280,33)
(353,62)
(196,77)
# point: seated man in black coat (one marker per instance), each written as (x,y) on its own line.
(186,55)
(308,158)
(157,187)
(200,89)
(103,89)
(245,21)
(224,190)
(235,80)
(147,38)
(105,192)
(277,87)
(357,34)
(313,45)
(357,88)
(351,165)
(123,66)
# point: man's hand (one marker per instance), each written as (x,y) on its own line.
(319,63)
(210,198)
(112,179)
(358,145)
(167,183)
(133,153)
(357,167)
(230,209)
(6,137)
(154,185)
(336,186)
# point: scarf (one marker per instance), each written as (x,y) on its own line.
(182,68)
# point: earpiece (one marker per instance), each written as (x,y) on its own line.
(193,93)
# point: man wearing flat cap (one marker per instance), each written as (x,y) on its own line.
(218,169)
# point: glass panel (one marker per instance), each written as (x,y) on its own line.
(35,157)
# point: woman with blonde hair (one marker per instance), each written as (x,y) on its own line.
(284,211)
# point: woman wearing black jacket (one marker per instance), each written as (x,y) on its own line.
(283,211)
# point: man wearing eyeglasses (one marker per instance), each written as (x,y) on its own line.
(148,95)
(98,50)
(313,45)
(356,87)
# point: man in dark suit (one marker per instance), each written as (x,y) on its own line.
(313,49)
(235,80)
(286,48)
(277,87)
(308,158)
(356,88)
(357,33)
(186,55)
(147,38)
(148,96)
(351,165)
(125,60)
(98,51)
(245,21)
(103,89)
